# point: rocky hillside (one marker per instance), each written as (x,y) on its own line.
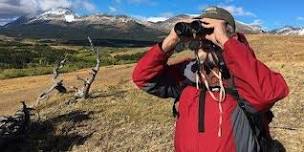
(64,24)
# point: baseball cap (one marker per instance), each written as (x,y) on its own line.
(218,13)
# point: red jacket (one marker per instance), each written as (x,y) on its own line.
(254,81)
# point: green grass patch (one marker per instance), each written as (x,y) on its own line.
(18,59)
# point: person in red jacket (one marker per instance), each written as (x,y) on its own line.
(210,119)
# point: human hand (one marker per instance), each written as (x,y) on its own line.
(173,39)
(219,35)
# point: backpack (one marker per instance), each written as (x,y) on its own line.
(257,120)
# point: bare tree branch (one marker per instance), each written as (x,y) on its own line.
(59,66)
(83,92)
(57,84)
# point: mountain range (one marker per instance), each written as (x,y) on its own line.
(63,24)
(288,30)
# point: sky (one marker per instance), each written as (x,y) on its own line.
(269,14)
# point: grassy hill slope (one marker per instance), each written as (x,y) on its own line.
(120,117)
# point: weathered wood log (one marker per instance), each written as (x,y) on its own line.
(57,84)
(83,91)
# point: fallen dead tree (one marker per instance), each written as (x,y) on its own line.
(57,84)
(16,126)
(83,91)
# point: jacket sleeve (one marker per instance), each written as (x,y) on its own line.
(153,75)
(255,82)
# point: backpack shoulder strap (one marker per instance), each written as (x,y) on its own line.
(255,118)
(244,105)
(184,84)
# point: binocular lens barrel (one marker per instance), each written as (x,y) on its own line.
(183,29)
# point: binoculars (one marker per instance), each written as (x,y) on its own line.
(193,29)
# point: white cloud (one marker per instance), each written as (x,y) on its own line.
(300,18)
(257,22)
(86,5)
(237,11)
(112,9)
(156,19)
(151,18)
(3,21)
(162,17)
(49,4)
(13,8)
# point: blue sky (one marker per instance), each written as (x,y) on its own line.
(270,14)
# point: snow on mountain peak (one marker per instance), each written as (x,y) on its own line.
(63,14)
(57,12)
(289,30)
(60,16)
(286,28)
(69,18)
(301,32)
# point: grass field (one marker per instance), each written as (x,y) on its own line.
(30,58)
(119,117)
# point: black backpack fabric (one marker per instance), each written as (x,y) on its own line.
(258,122)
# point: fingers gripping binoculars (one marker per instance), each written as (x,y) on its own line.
(196,33)
(193,29)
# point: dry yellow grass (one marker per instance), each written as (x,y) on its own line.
(122,118)
(12,91)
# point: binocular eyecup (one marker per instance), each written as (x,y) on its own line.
(195,28)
